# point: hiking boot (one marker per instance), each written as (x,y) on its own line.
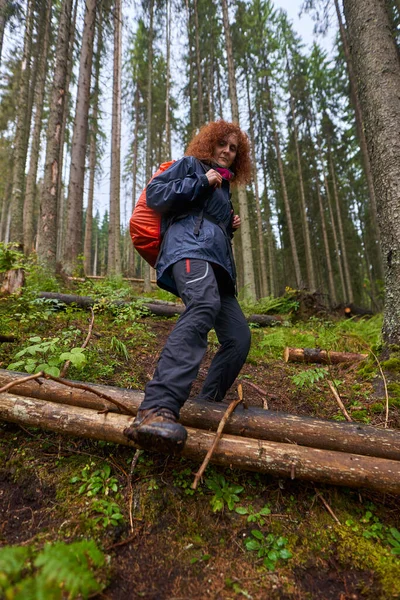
(157,429)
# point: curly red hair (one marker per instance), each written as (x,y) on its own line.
(203,144)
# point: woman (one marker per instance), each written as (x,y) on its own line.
(196,263)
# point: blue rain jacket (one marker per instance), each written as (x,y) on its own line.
(180,194)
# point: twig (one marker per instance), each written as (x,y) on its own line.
(339,401)
(218,435)
(85,343)
(386,390)
(87,388)
(328,508)
(133,466)
(8,386)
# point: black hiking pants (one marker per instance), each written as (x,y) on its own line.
(209,299)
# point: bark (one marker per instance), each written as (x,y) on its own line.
(261,251)
(40,91)
(61,198)
(191,92)
(114,258)
(315,355)
(282,460)
(331,284)
(21,135)
(47,242)
(304,219)
(162,310)
(267,213)
(360,130)
(251,422)
(198,66)
(146,267)
(377,68)
(247,255)
(12,282)
(3,6)
(87,247)
(168,151)
(74,237)
(346,269)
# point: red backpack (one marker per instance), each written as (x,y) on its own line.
(145,225)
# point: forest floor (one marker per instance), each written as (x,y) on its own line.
(270,539)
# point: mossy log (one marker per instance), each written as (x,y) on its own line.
(283,460)
(160,310)
(252,422)
(315,355)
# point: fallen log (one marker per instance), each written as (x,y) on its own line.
(282,460)
(160,310)
(252,422)
(315,355)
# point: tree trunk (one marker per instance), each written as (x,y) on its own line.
(74,238)
(247,254)
(61,198)
(292,238)
(360,131)
(21,135)
(283,460)
(87,247)
(146,266)
(331,284)
(37,128)
(267,213)
(251,422)
(326,357)
(3,6)
(261,251)
(114,258)
(306,231)
(47,242)
(346,269)
(376,63)
(198,66)
(191,92)
(167,149)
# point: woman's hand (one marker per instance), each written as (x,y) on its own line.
(214,178)
(236,222)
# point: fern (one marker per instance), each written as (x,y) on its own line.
(308,378)
(59,571)
(12,561)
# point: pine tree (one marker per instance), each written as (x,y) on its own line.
(74,237)
(47,236)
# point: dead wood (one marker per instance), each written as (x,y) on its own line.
(12,282)
(252,422)
(220,429)
(155,308)
(339,402)
(281,460)
(315,355)
(7,338)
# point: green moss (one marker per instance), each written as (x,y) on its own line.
(366,554)
(377,407)
(392,365)
(360,415)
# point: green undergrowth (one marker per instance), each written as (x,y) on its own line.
(249,525)
(341,336)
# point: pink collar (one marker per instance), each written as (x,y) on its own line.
(226,173)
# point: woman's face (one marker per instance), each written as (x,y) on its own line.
(225,151)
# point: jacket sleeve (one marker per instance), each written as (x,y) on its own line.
(177,188)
